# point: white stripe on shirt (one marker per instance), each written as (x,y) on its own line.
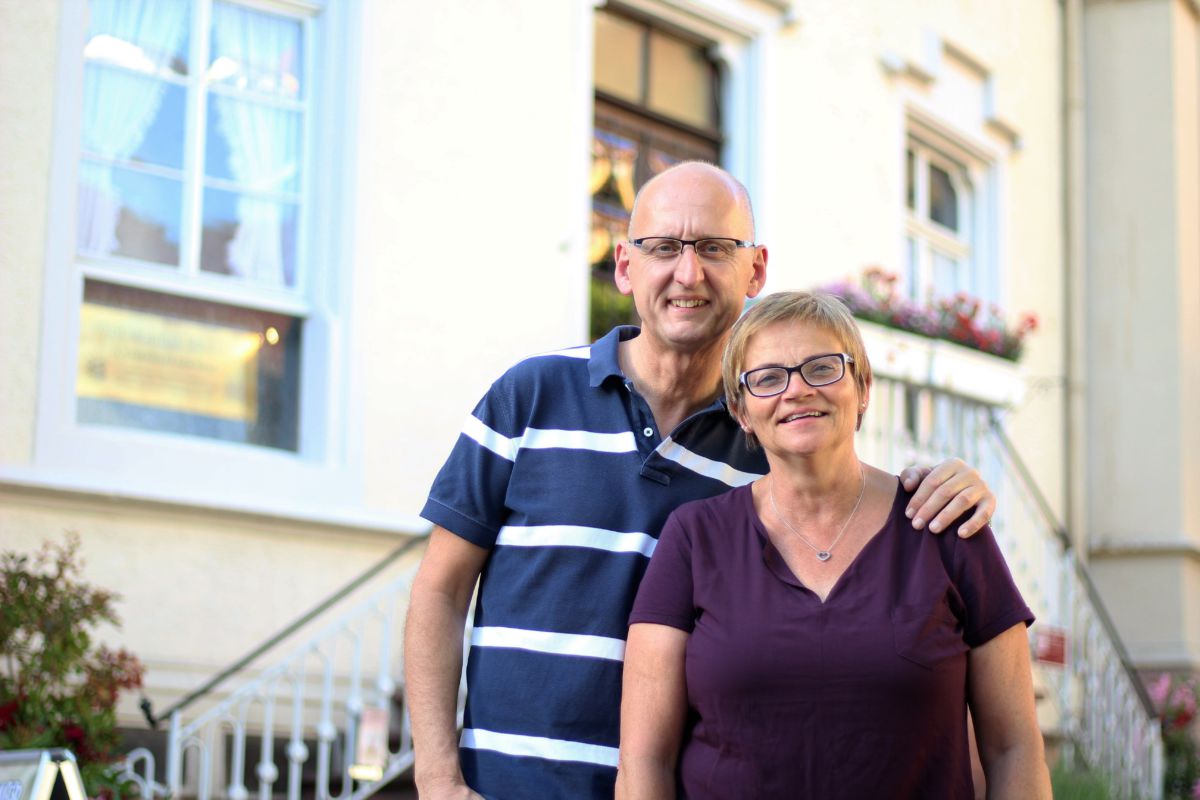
(717,470)
(559,644)
(584,352)
(515,744)
(576,536)
(498,443)
(546,439)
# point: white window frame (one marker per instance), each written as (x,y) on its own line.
(323,480)
(930,237)
(978,169)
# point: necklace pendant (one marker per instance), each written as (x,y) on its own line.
(824,555)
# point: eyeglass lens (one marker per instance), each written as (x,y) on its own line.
(770,381)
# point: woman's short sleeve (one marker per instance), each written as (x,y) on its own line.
(992,599)
(665,596)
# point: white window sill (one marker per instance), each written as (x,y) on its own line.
(322,510)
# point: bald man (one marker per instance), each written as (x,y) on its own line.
(553,497)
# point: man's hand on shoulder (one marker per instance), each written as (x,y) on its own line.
(945,493)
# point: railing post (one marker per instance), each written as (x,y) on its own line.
(175,757)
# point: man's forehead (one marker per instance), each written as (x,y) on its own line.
(689,199)
(692,180)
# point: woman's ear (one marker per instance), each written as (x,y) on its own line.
(864,399)
(739,414)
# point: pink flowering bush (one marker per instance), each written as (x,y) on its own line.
(960,319)
(1176,701)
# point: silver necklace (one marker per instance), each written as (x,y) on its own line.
(827,553)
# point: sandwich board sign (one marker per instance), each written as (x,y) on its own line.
(33,775)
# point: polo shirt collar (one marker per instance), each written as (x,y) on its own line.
(603,362)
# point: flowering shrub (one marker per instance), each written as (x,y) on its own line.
(56,688)
(960,319)
(1176,700)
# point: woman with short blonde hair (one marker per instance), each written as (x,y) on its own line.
(795,637)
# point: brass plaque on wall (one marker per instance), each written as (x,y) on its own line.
(170,364)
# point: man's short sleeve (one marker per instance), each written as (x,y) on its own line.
(468,494)
(666,594)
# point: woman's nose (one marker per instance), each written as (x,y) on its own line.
(797,386)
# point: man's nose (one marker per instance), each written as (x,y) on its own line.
(688,269)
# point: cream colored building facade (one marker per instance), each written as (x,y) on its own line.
(1137,296)
(444,232)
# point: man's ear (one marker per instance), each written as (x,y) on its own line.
(758,278)
(621,272)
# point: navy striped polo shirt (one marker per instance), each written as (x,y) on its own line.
(561,472)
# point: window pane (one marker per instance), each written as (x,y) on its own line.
(949,276)
(682,81)
(618,56)
(910,180)
(151,134)
(912,413)
(250,237)
(943,198)
(253,144)
(143,37)
(175,365)
(127,212)
(253,51)
(911,268)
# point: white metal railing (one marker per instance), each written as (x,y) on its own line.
(312,699)
(1108,720)
(1101,709)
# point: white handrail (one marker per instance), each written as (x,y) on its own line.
(313,695)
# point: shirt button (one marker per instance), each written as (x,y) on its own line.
(648,431)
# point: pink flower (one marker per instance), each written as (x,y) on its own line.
(962,318)
(1159,689)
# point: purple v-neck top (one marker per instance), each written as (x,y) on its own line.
(863,695)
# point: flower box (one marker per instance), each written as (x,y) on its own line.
(944,366)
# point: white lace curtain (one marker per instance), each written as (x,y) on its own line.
(119,105)
(263,140)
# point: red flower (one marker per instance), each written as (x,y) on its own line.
(8,711)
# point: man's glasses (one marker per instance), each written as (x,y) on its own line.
(816,371)
(664,248)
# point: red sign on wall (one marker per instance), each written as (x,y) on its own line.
(1050,645)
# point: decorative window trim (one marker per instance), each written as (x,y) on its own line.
(979,139)
(321,481)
